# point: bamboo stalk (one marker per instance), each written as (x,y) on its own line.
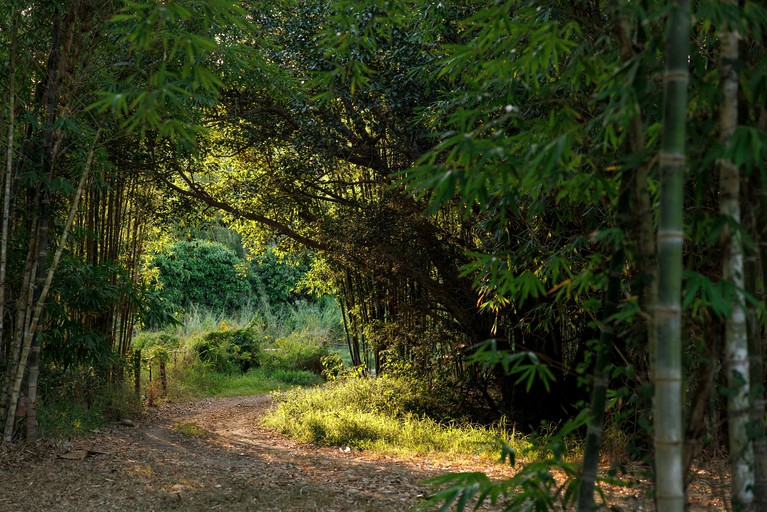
(756,356)
(736,342)
(669,467)
(605,343)
(8,177)
(39,306)
(756,346)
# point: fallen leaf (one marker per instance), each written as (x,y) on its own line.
(73,455)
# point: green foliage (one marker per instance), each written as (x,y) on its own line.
(229,350)
(333,366)
(377,414)
(204,273)
(148,340)
(276,278)
(157,347)
(85,295)
(191,378)
(533,488)
(78,411)
(288,376)
(298,351)
(319,319)
(175,50)
(209,276)
(525,366)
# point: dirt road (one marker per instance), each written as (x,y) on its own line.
(210,454)
(213,454)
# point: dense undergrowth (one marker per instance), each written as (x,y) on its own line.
(256,349)
(288,350)
(382,414)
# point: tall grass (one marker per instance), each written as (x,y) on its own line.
(321,319)
(291,333)
(69,415)
(381,414)
(293,338)
(191,379)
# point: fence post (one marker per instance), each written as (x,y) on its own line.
(163,378)
(137,372)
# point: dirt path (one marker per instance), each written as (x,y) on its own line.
(213,454)
(210,454)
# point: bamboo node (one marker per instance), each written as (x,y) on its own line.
(670,158)
(670,234)
(676,76)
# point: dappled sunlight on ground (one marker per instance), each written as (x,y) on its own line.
(213,454)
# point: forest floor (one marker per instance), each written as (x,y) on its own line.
(214,454)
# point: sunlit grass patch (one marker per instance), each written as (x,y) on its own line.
(371,414)
(199,380)
(191,429)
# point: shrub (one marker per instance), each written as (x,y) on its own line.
(378,414)
(147,340)
(297,351)
(230,350)
(204,273)
(276,277)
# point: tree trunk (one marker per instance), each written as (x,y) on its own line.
(669,478)
(756,346)
(601,381)
(33,366)
(5,408)
(736,342)
(39,305)
(756,354)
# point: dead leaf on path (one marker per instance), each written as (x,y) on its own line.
(73,455)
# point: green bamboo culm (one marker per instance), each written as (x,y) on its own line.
(669,435)
(599,390)
(756,351)
(736,340)
(604,347)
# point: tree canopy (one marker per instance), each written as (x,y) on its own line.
(479,183)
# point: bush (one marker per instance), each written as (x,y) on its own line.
(297,351)
(378,414)
(204,273)
(148,340)
(230,350)
(276,278)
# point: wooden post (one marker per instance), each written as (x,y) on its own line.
(137,372)
(163,378)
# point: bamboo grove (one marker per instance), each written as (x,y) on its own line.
(501,196)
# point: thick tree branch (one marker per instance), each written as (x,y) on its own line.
(197,192)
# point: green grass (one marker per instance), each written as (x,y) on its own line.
(373,414)
(321,318)
(193,379)
(296,335)
(191,429)
(68,419)
(293,338)
(69,416)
